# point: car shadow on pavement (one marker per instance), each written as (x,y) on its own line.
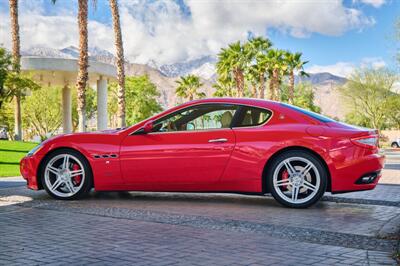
(189,198)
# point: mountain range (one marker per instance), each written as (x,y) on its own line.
(164,76)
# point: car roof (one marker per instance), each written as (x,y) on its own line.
(244,101)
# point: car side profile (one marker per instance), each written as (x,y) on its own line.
(213,145)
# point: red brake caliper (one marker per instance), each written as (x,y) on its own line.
(77,179)
(285,175)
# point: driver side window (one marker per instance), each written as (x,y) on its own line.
(201,117)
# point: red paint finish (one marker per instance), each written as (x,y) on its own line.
(176,157)
(187,161)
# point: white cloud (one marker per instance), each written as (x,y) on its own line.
(345,69)
(374,3)
(160,31)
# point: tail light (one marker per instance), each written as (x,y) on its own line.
(366,141)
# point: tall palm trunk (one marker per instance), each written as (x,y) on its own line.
(262,86)
(239,79)
(254,91)
(291,87)
(16,65)
(275,84)
(120,63)
(271,88)
(82,63)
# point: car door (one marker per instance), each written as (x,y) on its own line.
(189,146)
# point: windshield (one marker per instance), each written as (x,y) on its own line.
(316,116)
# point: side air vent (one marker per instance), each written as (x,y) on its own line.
(99,156)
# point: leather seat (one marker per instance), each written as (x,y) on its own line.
(226,119)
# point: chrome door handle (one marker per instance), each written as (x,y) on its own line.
(217,140)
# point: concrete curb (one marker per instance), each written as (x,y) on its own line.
(361,201)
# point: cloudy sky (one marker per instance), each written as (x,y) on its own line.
(334,36)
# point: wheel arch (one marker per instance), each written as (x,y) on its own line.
(265,188)
(48,154)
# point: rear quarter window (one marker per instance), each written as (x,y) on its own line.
(253,116)
(313,115)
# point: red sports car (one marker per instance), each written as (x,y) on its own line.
(213,145)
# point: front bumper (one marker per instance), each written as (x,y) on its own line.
(347,178)
(28,168)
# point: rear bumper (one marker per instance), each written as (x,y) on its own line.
(28,168)
(347,178)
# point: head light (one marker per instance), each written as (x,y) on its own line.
(35,150)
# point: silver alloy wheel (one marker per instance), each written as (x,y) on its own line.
(302,183)
(59,175)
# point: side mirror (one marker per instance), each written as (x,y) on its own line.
(148,127)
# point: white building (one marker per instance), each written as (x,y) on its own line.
(63,72)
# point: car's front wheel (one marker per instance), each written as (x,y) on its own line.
(66,174)
(297,179)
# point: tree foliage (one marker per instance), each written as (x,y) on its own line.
(42,112)
(248,66)
(232,64)
(91,106)
(370,98)
(188,88)
(7,117)
(45,120)
(141,100)
(303,96)
(5,66)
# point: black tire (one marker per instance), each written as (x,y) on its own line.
(87,181)
(395,145)
(272,167)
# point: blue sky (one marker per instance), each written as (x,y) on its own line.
(334,36)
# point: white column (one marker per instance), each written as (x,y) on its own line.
(67,109)
(102,104)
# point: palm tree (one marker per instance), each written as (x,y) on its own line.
(232,62)
(257,49)
(224,88)
(294,63)
(260,68)
(16,55)
(188,87)
(120,63)
(252,76)
(82,63)
(276,68)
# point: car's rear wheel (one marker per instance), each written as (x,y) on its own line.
(66,175)
(297,179)
(395,145)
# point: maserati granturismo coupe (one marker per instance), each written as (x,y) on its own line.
(234,145)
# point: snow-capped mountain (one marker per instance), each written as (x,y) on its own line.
(46,52)
(320,78)
(206,71)
(184,68)
(71,52)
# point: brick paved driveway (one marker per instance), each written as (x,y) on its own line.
(196,229)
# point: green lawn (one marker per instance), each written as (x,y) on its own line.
(11,153)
